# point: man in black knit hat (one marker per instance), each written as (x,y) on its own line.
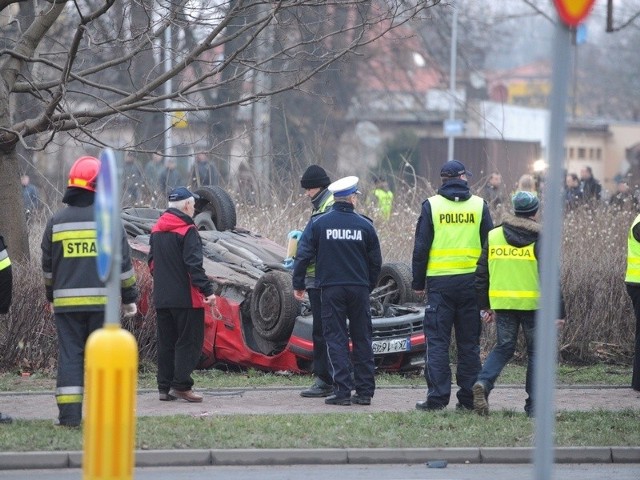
(315,182)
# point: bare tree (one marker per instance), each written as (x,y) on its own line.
(84,65)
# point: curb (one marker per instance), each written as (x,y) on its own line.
(333,456)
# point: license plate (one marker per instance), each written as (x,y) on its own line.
(390,346)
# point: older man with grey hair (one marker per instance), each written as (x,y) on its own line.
(181,289)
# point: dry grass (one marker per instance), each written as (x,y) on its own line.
(600,324)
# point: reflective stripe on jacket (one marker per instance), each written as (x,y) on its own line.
(456,243)
(69,251)
(326,201)
(633,256)
(513,274)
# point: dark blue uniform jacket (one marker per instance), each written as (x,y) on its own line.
(345,246)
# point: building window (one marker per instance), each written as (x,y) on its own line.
(598,154)
(582,153)
(592,154)
(570,153)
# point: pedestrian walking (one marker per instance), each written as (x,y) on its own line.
(492,192)
(508,290)
(6,293)
(315,182)
(30,196)
(632,281)
(73,286)
(181,289)
(204,172)
(170,177)
(346,249)
(450,231)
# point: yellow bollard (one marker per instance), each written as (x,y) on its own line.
(111,378)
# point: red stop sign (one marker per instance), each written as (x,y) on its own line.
(573,12)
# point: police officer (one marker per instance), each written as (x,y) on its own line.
(508,291)
(450,232)
(315,182)
(632,281)
(72,284)
(348,261)
(6,290)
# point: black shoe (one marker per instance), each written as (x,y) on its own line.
(335,400)
(67,424)
(5,418)
(317,390)
(165,397)
(428,407)
(360,399)
(463,408)
(480,403)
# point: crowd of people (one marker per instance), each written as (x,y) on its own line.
(468,269)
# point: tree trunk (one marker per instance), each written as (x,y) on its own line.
(13,225)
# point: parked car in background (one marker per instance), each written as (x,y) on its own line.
(256,322)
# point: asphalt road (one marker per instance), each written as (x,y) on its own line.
(354,472)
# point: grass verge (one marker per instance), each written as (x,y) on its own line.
(341,430)
(599,374)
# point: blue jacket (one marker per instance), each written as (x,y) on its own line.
(345,246)
(457,190)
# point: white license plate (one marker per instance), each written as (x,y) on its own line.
(390,346)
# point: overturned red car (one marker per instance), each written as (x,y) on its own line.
(256,322)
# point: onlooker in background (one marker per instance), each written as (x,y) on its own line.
(624,199)
(573,196)
(508,291)
(6,291)
(527,183)
(170,177)
(152,171)
(492,191)
(29,194)
(632,281)
(73,286)
(452,227)
(131,180)
(181,289)
(315,182)
(346,249)
(589,186)
(383,197)
(204,172)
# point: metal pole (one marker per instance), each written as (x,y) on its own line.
(545,337)
(168,117)
(452,78)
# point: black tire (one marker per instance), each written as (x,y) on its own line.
(204,221)
(218,204)
(273,307)
(397,277)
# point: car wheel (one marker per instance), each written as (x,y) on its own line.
(204,221)
(273,307)
(216,203)
(394,284)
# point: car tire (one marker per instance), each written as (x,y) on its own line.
(398,277)
(204,221)
(273,307)
(218,204)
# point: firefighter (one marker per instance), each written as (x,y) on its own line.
(632,282)
(76,294)
(6,283)
(450,232)
(315,182)
(346,248)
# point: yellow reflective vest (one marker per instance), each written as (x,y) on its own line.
(384,202)
(456,236)
(633,256)
(325,205)
(513,274)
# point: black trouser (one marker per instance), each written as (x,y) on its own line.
(320,361)
(634,293)
(451,305)
(338,304)
(180,338)
(73,330)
